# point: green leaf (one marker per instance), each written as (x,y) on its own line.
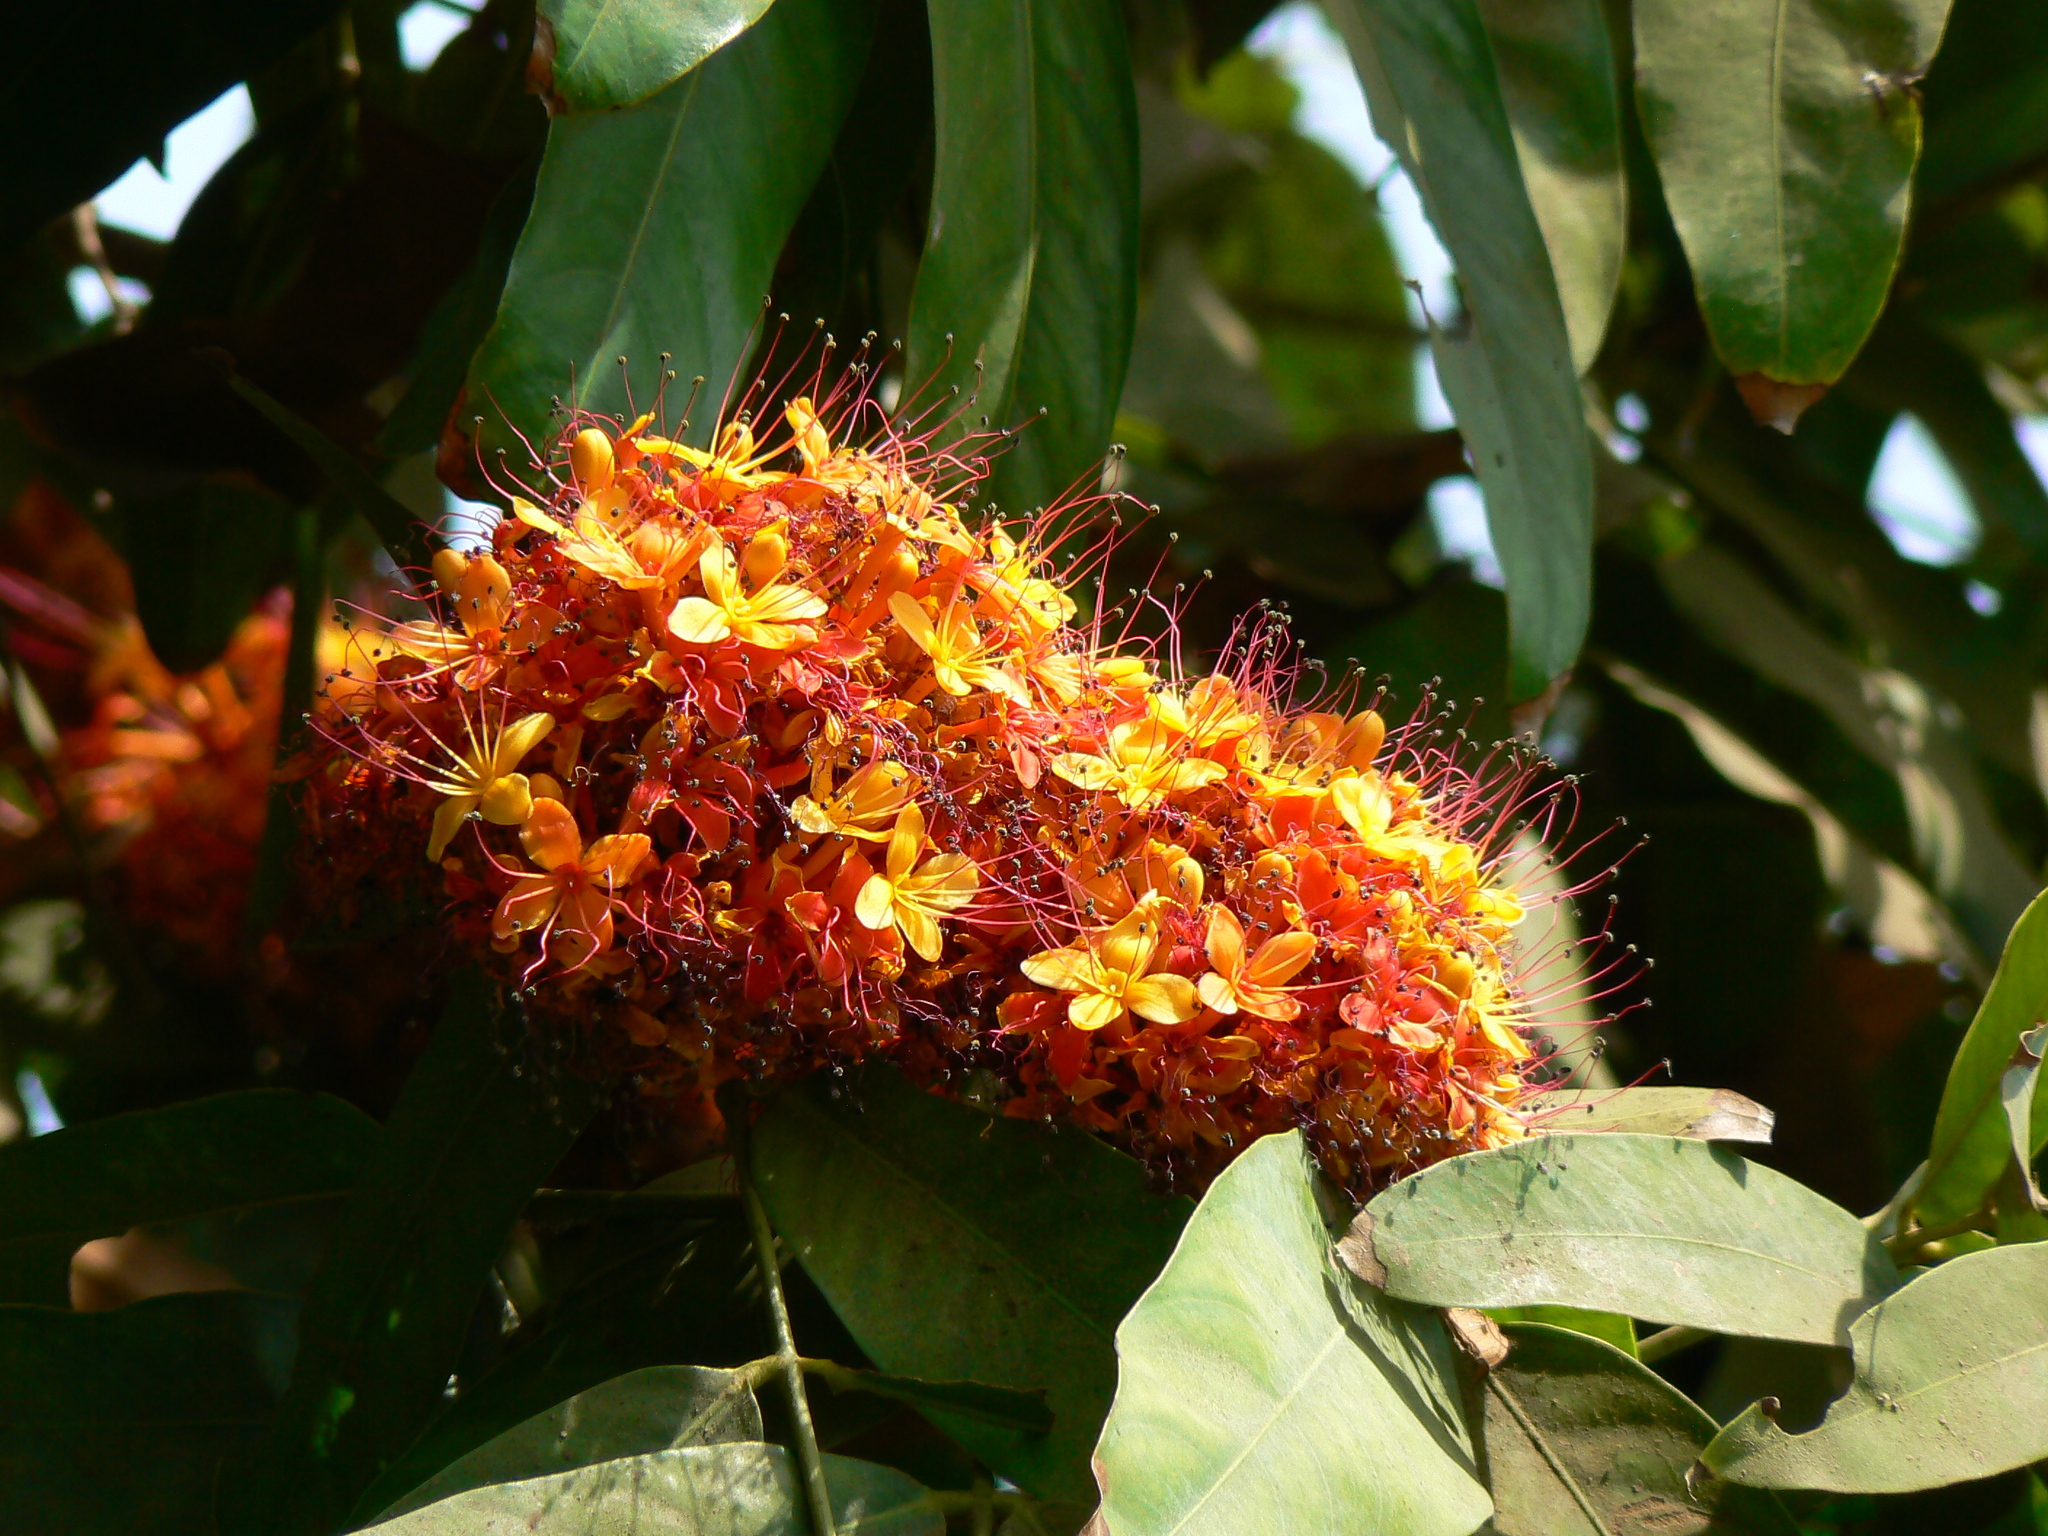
(1581,1440)
(1608,1327)
(607,55)
(1031,254)
(1971,1141)
(741,1489)
(477,1128)
(1506,363)
(663,1407)
(393,521)
(2016,1087)
(1785,133)
(1949,1386)
(1261,1388)
(1555,64)
(1704,1114)
(1648,1226)
(117,1421)
(958,1246)
(655,229)
(231,1152)
(143,72)
(680,1299)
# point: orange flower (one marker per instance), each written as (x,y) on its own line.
(913,896)
(1111,975)
(771,616)
(485,779)
(570,905)
(960,661)
(1252,985)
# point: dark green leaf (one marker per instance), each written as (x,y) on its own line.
(116,1422)
(1785,133)
(672,1300)
(1001,1407)
(608,55)
(1971,1143)
(664,1407)
(655,229)
(201,556)
(741,1489)
(1030,259)
(1582,1440)
(477,1128)
(231,1152)
(957,1246)
(1608,1327)
(1648,1226)
(1262,1389)
(1506,363)
(1556,69)
(392,520)
(134,74)
(1705,1114)
(1949,1386)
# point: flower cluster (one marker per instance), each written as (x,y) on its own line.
(756,759)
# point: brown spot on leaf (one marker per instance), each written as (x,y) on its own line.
(1775,403)
(1478,1335)
(1354,1251)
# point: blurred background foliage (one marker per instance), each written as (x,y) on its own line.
(1814,682)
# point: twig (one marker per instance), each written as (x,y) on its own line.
(604,1204)
(1669,1341)
(1907,1247)
(810,1463)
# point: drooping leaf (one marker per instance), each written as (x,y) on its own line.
(959,1247)
(1581,1439)
(1556,69)
(1002,1407)
(1949,1386)
(1506,362)
(142,71)
(1030,257)
(663,1407)
(229,1152)
(1654,1227)
(1262,1388)
(1785,133)
(117,1421)
(655,228)
(607,56)
(679,1299)
(1704,1114)
(744,1488)
(1971,1140)
(476,1130)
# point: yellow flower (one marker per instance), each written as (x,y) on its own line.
(1251,984)
(959,661)
(771,616)
(864,806)
(1111,975)
(1010,580)
(1368,808)
(1143,762)
(484,779)
(912,896)
(480,592)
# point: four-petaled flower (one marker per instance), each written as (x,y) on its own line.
(771,616)
(1143,761)
(485,778)
(865,806)
(1241,983)
(1111,976)
(570,904)
(913,896)
(960,660)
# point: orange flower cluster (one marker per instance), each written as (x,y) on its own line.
(758,759)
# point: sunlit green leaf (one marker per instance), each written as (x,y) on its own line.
(1262,1388)
(1608,1327)
(1949,1386)
(655,229)
(1031,253)
(1506,362)
(960,1247)
(1582,1439)
(1785,133)
(607,55)
(229,1152)
(1654,1227)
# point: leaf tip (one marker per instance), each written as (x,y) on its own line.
(1355,1252)
(1775,403)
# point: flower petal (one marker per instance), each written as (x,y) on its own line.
(507,800)
(1163,999)
(698,621)
(875,906)
(550,836)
